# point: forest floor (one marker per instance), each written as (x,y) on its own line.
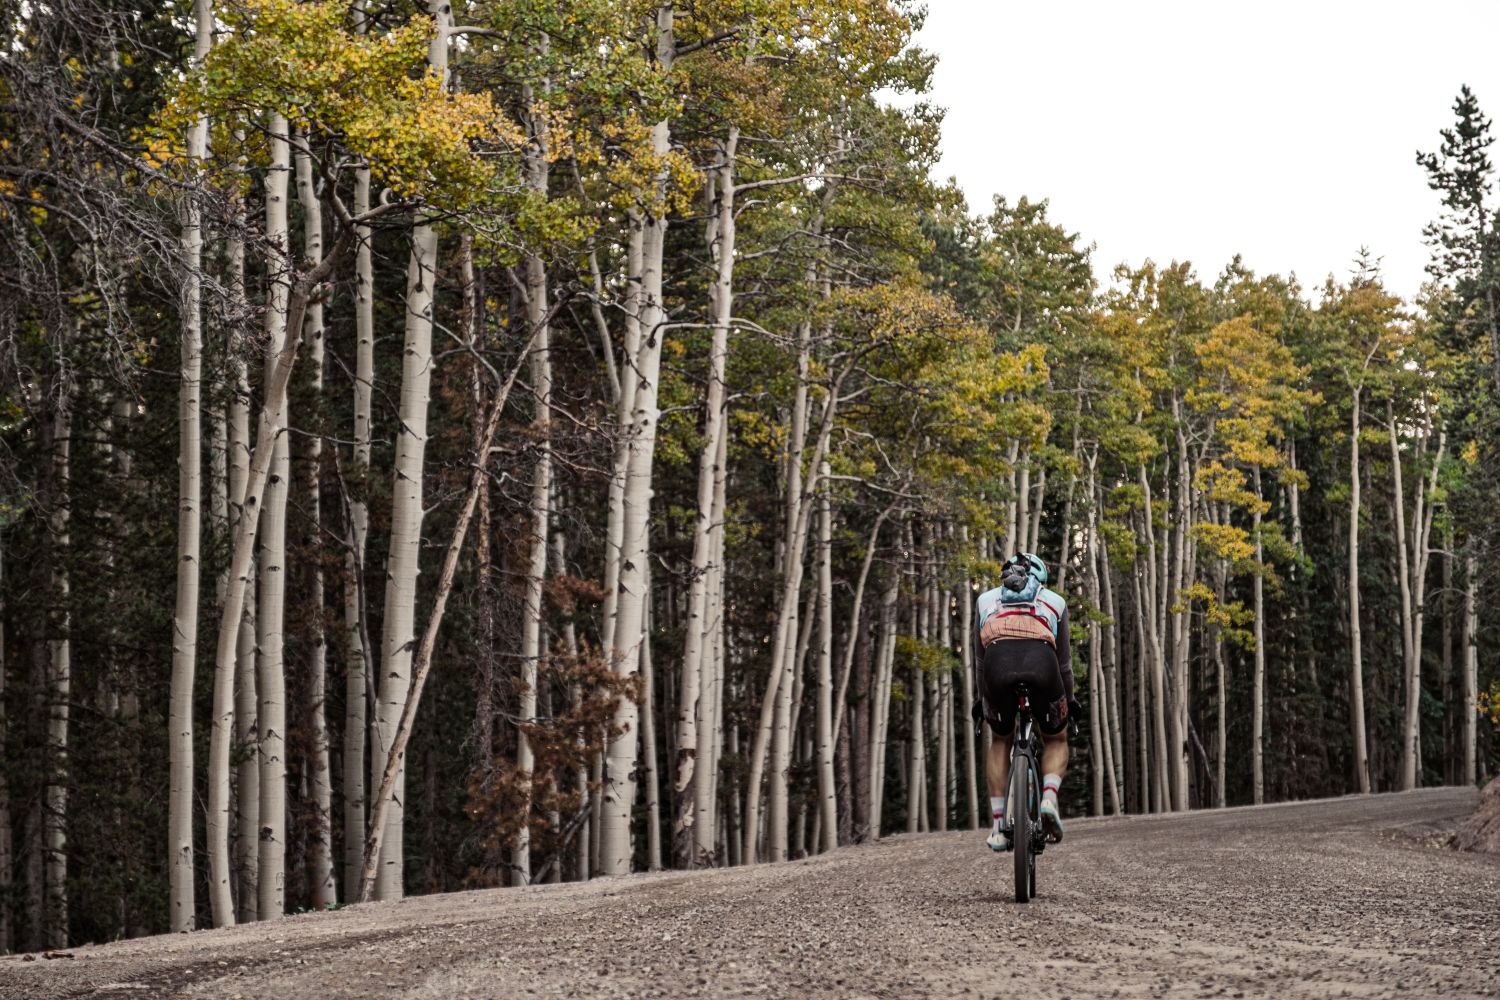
(1348,897)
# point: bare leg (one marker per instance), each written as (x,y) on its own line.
(1054,753)
(997,765)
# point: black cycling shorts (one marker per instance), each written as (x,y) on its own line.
(1033,662)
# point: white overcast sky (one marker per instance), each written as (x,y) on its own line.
(1196,130)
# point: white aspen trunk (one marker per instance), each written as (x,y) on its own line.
(1096,736)
(827,795)
(917,760)
(245,704)
(881,699)
(1410,663)
(624,417)
(705,781)
(537,171)
(1113,664)
(189,524)
(237,669)
(271,603)
(696,641)
(1034,534)
(1012,541)
(784,674)
(320,833)
(634,518)
(1356,644)
(1471,668)
(1154,583)
(649,773)
(966,670)
(285,311)
(59,685)
(404,562)
(944,628)
(1023,506)
(359,666)
(1258,697)
(1182,572)
(359,669)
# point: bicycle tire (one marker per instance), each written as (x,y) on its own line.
(1036,820)
(1020,826)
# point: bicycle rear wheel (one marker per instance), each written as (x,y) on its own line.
(1022,821)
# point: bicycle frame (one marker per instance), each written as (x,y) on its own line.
(1025,791)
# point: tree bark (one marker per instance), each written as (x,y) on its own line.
(721,242)
(635,504)
(1258,696)
(404,562)
(271,601)
(320,826)
(1356,643)
(189,524)
(359,666)
(828,802)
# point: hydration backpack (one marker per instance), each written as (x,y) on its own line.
(1024,610)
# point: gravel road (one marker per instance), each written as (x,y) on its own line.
(1345,897)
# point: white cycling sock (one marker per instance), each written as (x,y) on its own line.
(997,810)
(1050,784)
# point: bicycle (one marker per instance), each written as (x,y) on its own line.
(1025,796)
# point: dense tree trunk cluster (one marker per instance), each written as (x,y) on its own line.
(580,431)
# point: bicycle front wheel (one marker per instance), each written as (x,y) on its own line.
(1022,820)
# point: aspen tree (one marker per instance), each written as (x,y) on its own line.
(828,802)
(320,848)
(404,562)
(633,517)
(189,526)
(270,673)
(537,173)
(358,670)
(696,641)
(238,670)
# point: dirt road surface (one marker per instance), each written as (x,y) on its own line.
(1346,897)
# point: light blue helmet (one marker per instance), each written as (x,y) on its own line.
(1035,567)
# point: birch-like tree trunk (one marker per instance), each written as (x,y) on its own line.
(828,801)
(634,514)
(189,522)
(649,756)
(710,737)
(404,562)
(238,670)
(320,827)
(359,666)
(1356,642)
(537,170)
(288,302)
(880,701)
(965,598)
(1412,566)
(697,634)
(1258,694)
(271,605)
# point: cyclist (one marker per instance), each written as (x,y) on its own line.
(1023,639)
